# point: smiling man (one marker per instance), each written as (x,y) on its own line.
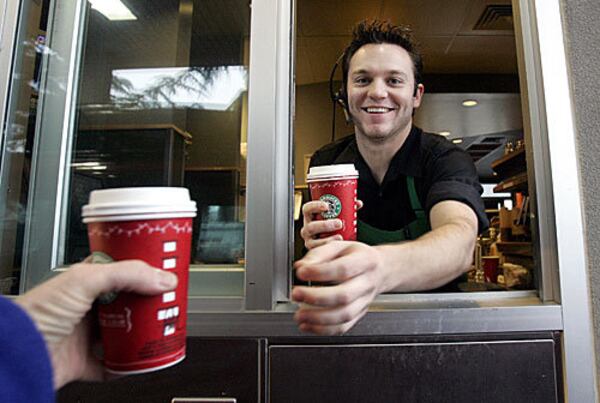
(421,206)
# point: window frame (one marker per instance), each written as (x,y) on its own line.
(269,156)
(51,153)
(268,164)
(568,264)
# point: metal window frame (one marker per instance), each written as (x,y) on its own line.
(578,341)
(9,16)
(9,19)
(52,148)
(537,152)
(268,198)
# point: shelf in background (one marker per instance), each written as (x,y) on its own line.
(513,184)
(515,248)
(510,164)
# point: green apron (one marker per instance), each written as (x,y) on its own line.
(374,236)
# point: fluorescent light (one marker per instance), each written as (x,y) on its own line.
(469,103)
(114,10)
(85,164)
(457,141)
(444,133)
(92,168)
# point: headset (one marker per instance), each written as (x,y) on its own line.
(339,97)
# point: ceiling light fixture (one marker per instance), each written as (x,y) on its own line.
(457,141)
(469,103)
(114,10)
(85,164)
(444,133)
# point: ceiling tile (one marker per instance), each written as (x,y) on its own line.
(334,17)
(221,17)
(433,17)
(484,45)
(322,53)
(475,55)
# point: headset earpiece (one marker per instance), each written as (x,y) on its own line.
(340,98)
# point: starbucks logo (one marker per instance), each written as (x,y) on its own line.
(103,258)
(335,206)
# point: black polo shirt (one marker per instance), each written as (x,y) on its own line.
(442,171)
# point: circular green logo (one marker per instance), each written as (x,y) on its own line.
(103,258)
(335,206)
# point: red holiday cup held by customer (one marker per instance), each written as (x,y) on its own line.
(142,333)
(336,185)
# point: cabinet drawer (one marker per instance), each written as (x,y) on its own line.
(213,368)
(490,371)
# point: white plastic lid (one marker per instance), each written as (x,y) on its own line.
(137,203)
(326,172)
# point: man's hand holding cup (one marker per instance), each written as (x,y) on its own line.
(331,215)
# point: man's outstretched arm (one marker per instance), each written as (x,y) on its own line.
(362,272)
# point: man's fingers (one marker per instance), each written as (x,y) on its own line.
(312,228)
(315,228)
(331,316)
(313,243)
(311,208)
(331,330)
(341,268)
(359,204)
(334,295)
(325,253)
(127,275)
(328,252)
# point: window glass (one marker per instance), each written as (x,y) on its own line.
(472,97)
(161,100)
(18,140)
(163,103)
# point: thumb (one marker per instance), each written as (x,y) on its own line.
(127,275)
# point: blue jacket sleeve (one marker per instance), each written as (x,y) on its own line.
(25,369)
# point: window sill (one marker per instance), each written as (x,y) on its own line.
(408,314)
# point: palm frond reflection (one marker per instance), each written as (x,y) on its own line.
(214,88)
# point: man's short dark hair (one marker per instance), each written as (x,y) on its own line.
(378,32)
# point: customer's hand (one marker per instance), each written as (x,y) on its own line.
(312,228)
(59,306)
(356,272)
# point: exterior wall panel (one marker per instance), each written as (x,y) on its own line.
(583,40)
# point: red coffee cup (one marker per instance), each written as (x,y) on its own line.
(143,333)
(336,185)
(490,268)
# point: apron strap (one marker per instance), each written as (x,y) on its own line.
(375,236)
(420,225)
